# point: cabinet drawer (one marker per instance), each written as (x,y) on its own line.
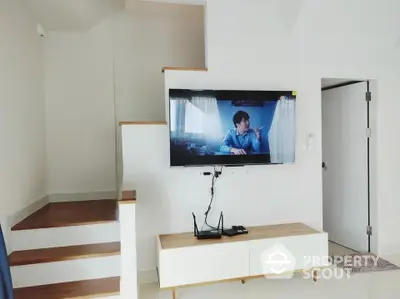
(205,263)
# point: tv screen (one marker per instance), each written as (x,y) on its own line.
(231,127)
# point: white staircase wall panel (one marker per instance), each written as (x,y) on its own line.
(206,263)
(66,271)
(65,236)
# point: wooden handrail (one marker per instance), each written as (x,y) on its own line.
(127,196)
(161,122)
(175,68)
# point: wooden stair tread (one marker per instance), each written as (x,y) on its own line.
(84,289)
(70,214)
(176,68)
(161,122)
(57,254)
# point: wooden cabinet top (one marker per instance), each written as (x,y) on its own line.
(170,241)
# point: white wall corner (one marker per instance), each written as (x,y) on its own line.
(25,212)
(18,216)
(388,251)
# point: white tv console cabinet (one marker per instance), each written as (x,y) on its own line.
(185,261)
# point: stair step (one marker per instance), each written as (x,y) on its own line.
(57,254)
(94,288)
(65,236)
(70,214)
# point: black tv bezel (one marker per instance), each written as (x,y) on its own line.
(250,160)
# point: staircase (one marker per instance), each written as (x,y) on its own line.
(67,250)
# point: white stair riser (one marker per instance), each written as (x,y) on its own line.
(65,236)
(66,271)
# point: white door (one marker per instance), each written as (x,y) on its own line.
(345,175)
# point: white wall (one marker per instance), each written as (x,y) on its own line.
(22,113)
(294,44)
(278,45)
(80,86)
(147,37)
(79,112)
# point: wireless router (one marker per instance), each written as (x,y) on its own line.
(207,234)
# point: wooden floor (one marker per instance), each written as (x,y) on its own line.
(70,214)
(57,254)
(72,290)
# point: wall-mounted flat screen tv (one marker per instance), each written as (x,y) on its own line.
(231,127)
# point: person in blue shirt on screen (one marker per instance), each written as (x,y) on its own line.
(241,140)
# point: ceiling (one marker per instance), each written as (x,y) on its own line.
(72,15)
(78,15)
(306,21)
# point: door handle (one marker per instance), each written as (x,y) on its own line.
(323,165)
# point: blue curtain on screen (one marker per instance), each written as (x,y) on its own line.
(6,286)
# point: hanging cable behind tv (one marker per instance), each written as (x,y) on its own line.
(211,232)
(215,175)
(215,232)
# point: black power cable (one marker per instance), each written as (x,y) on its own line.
(215,175)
